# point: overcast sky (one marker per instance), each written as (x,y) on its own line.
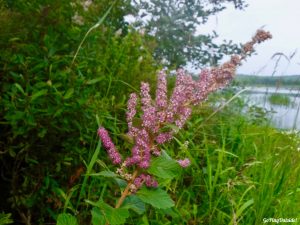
(280,17)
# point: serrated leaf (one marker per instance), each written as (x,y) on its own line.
(156,197)
(38,94)
(97,217)
(112,215)
(135,203)
(93,81)
(164,167)
(69,93)
(66,219)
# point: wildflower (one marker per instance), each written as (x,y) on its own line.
(141,152)
(261,36)
(146,179)
(184,162)
(161,91)
(131,111)
(77,19)
(149,111)
(155,151)
(164,137)
(109,146)
(157,116)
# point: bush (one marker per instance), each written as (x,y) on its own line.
(48,104)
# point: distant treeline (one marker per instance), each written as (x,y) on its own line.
(252,80)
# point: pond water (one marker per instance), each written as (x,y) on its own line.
(285,117)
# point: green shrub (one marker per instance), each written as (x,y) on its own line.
(48,105)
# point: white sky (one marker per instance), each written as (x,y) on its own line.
(280,17)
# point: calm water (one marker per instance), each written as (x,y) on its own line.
(285,117)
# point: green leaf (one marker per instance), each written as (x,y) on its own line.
(106,173)
(121,183)
(158,198)
(243,207)
(66,219)
(69,93)
(97,217)
(58,112)
(5,219)
(135,203)
(38,94)
(93,81)
(19,87)
(164,167)
(112,215)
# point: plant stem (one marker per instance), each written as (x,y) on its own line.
(127,190)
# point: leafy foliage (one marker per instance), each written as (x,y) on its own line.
(66,219)
(172,24)
(104,213)
(158,198)
(164,167)
(134,203)
(48,104)
(5,219)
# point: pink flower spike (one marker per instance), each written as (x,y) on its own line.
(131,111)
(164,137)
(146,179)
(161,91)
(109,146)
(184,162)
(149,111)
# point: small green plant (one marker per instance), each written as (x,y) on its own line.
(279,99)
(5,218)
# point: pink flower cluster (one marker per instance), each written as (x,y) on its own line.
(109,146)
(145,179)
(184,162)
(157,115)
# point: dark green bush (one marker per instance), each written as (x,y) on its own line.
(48,105)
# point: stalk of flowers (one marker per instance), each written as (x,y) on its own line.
(158,114)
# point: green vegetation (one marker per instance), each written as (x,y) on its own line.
(279,99)
(173,25)
(274,81)
(53,168)
(241,172)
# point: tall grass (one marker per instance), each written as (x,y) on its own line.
(279,99)
(241,173)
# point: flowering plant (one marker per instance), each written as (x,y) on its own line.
(159,120)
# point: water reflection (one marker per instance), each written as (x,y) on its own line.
(285,117)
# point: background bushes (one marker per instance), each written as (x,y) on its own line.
(48,105)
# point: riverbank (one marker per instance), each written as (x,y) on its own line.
(289,81)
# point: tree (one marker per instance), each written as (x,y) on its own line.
(173,24)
